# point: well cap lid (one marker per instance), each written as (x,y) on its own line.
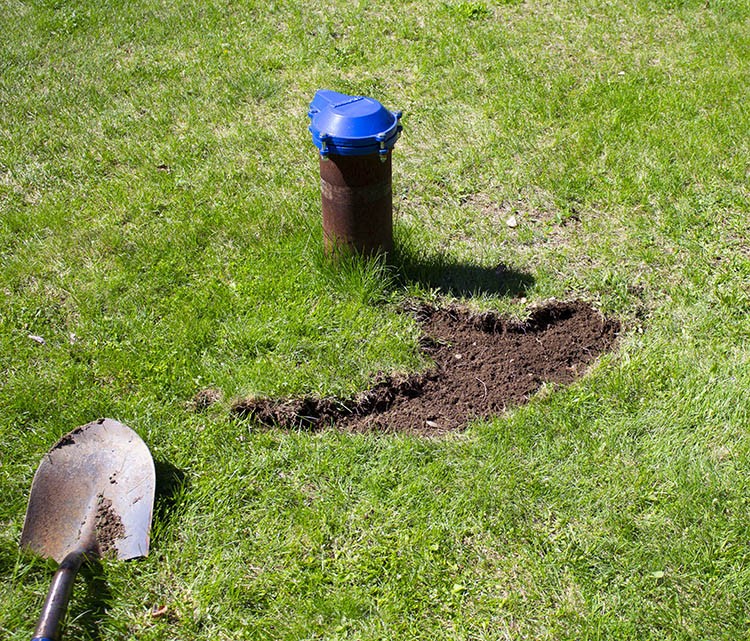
(352,125)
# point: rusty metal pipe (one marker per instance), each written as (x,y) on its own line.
(357,204)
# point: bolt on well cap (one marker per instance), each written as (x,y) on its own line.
(352,125)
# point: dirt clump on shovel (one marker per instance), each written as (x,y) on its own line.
(483,364)
(109,527)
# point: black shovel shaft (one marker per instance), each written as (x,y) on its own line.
(56,603)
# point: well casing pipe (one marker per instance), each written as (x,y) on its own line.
(355,136)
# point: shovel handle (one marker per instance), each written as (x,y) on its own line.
(56,604)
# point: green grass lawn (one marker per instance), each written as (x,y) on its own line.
(160,231)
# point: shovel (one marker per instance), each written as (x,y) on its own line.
(92,497)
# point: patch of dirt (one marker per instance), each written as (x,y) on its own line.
(109,527)
(483,365)
(205,398)
(68,439)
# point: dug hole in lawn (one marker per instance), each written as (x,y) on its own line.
(483,364)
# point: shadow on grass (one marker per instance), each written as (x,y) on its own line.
(87,612)
(91,597)
(170,481)
(458,279)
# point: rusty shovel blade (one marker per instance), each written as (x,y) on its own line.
(92,496)
(93,491)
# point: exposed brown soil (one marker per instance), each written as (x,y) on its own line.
(109,527)
(68,439)
(483,365)
(205,398)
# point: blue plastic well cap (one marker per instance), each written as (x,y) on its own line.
(352,125)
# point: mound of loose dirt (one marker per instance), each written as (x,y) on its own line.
(483,364)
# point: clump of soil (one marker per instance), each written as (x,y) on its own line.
(483,365)
(68,439)
(205,398)
(109,527)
